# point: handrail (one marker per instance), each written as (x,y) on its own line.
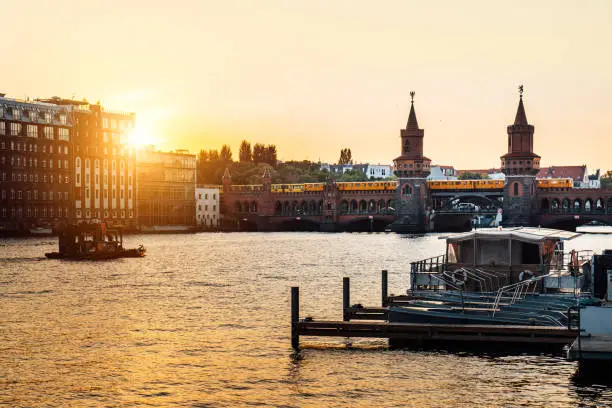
(518,288)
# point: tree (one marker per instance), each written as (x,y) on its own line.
(469,175)
(226,153)
(259,153)
(245,154)
(346,156)
(213,155)
(270,155)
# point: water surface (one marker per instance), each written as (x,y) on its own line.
(203,321)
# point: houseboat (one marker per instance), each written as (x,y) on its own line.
(518,276)
(93,242)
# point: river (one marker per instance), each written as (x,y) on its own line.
(203,321)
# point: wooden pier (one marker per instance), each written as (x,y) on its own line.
(371,322)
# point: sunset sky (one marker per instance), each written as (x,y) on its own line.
(315,76)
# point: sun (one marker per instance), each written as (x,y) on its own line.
(141,136)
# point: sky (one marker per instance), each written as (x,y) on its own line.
(316,76)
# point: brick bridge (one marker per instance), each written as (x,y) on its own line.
(324,207)
(406,205)
(573,207)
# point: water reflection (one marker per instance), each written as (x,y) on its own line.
(203,320)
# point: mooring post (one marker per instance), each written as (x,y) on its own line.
(346,298)
(295,317)
(384,287)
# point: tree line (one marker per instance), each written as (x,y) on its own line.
(254,159)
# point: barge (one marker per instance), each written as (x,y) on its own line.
(93,242)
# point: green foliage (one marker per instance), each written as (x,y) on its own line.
(245,154)
(226,153)
(352,175)
(468,175)
(346,157)
(606,182)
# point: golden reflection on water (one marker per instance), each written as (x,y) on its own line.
(203,320)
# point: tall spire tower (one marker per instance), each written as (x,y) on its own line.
(411,169)
(520,165)
(411,162)
(520,158)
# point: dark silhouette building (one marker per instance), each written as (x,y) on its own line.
(35,165)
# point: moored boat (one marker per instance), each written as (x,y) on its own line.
(517,276)
(41,231)
(93,242)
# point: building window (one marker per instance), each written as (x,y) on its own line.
(48,132)
(62,118)
(15,129)
(16,113)
(32,131)
(63,134)
(48,117)
(2,130)
(515,189)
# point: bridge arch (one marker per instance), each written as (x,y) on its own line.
(304,207)
(353,207)
(245,206)
(363,206)
(577,205)
(555,204)
(380,205)
(278,208)
(545,205)
(566,204)
(588,205)
(371,206)
(344,207)
(238,206)
(294,207)
(320,207)
(406,189)
(312,207)
(286,208)
(599,204)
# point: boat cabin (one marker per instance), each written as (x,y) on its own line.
(509,247)
(90,238)
(499,257)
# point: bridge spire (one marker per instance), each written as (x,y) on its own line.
(412,120)
(521,117)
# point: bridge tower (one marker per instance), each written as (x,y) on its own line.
(520,165)
(411,169)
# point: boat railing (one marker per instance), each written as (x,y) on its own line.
(516,291)
(433,264)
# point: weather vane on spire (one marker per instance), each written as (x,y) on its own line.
(411,96)
(521,91)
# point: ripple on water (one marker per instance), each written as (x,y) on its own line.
(202,320)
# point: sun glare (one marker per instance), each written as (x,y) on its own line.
(141,136)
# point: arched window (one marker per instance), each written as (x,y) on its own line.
(407,189)
(78,162)
(515,189)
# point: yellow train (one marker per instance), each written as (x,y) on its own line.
(287,188)
(312,187)
(459,185)
(488,184)
(367,186)
(544,184)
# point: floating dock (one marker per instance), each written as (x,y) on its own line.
(371,322)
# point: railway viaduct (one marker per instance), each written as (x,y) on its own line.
(408,208)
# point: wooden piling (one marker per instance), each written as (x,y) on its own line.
(346,298)
(295,317)
(384,287)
